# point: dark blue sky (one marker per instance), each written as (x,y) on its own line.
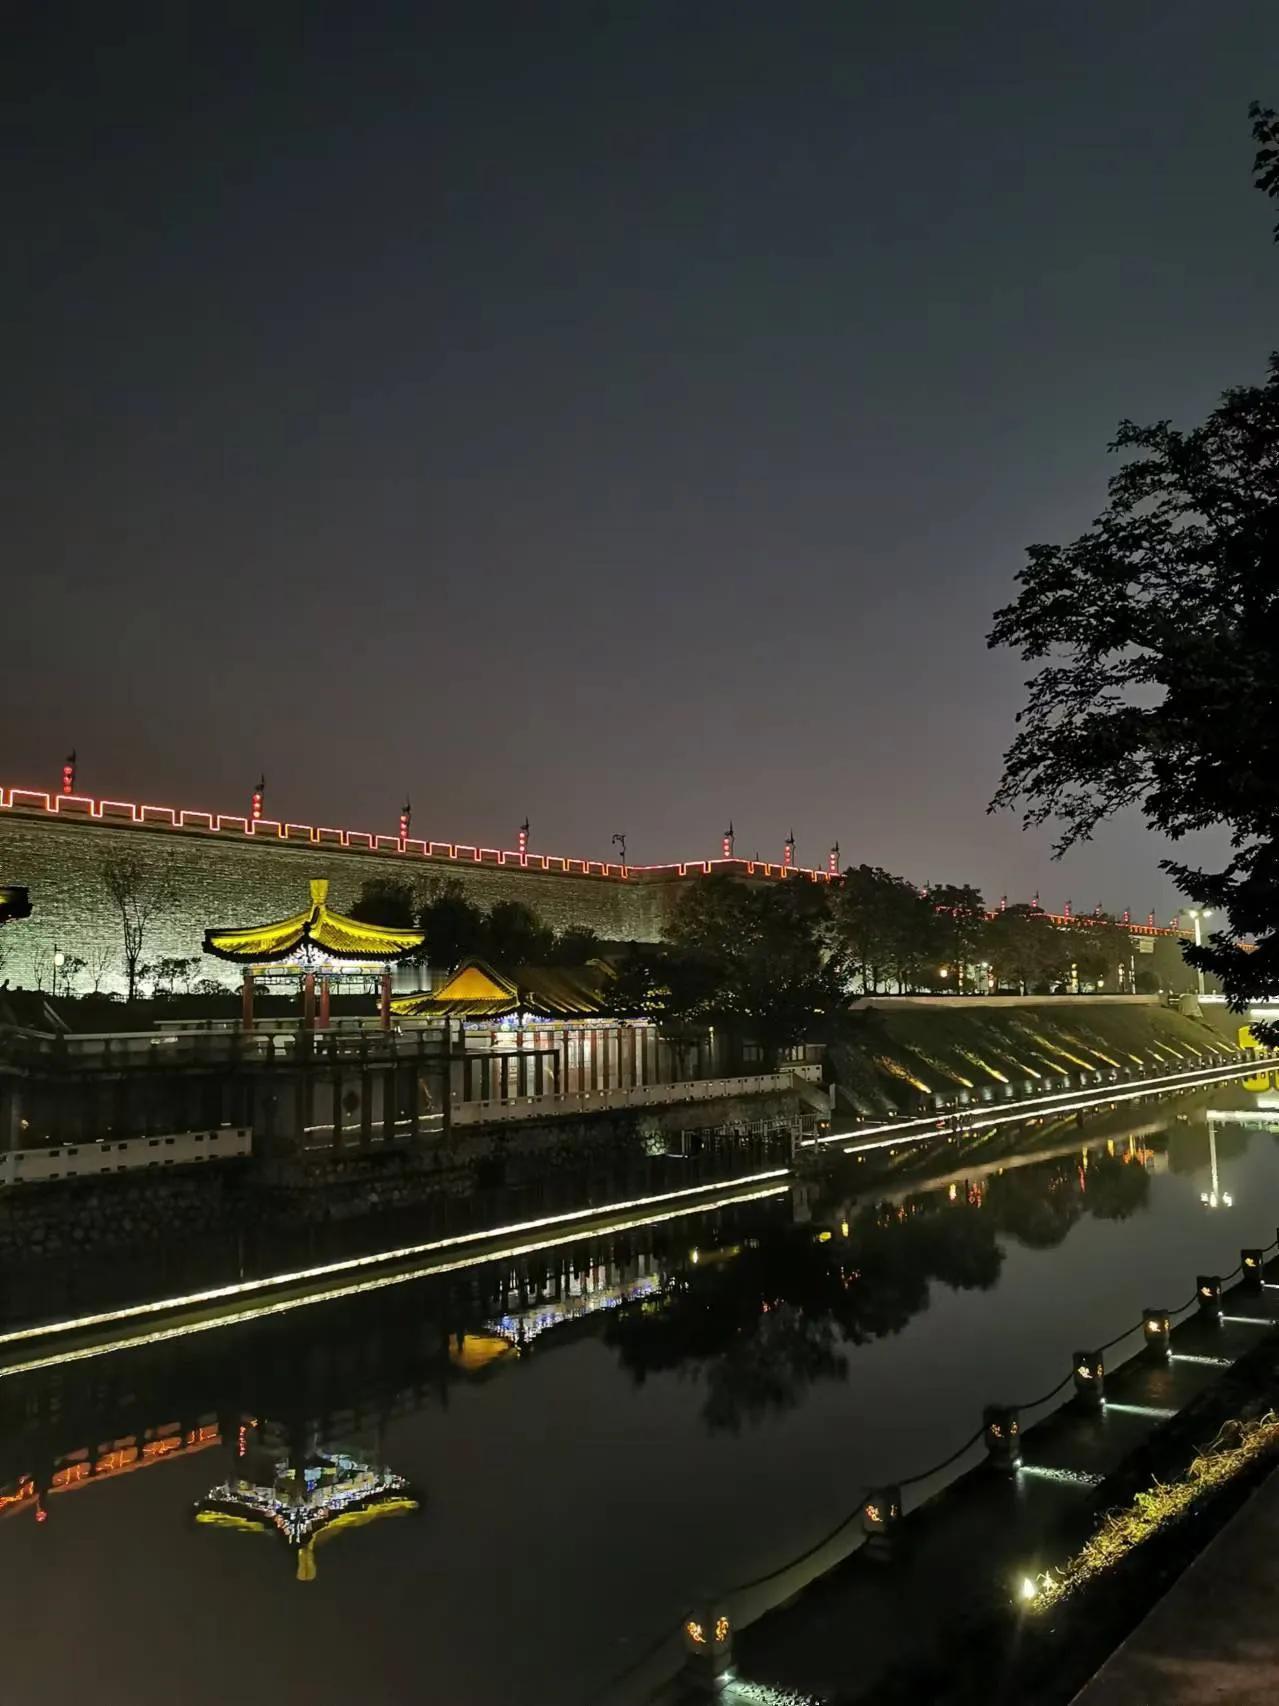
(624,415)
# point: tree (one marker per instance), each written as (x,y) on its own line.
(99,960)
(70,969)
(1157,650)
(960,914)
(142,891)
(383,900)
(515,936)
(884,927)
(1100,951)
(453,925)
(170,970)
(1025,949)
(762,957)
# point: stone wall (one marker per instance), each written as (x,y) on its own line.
(226,879)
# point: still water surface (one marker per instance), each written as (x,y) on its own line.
(576,1495)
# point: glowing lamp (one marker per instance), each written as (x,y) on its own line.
(1156,1327)
(406,817)
(788,852)
(1090,1379)
(523,840)
(1208,1295)
(1252,1264)
(708,1648)
(832,861)
(727,842)
(881,1520)
(68,774)
(1001,1433)
(255,804)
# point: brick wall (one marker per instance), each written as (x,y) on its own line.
(227,879)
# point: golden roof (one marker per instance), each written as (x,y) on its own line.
(329,933)
(476,991)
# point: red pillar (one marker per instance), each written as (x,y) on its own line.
(246,999)
(384,1006)
(324,1003)
(308,1001)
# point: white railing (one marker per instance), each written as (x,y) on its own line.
(123,1155)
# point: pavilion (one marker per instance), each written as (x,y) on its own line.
(478,993)
(318,942)
(304,1502)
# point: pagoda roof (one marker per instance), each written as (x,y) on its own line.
(330,933)
(477,991)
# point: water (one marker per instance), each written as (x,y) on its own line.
(570,1509)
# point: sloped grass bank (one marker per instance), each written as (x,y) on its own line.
(896,1059)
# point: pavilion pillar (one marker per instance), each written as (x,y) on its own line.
(384,1005)
(324,1003)
(308,1001)
(246,1000)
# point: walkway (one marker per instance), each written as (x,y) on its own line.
(1213,1637)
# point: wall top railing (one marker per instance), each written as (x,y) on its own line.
(124,814)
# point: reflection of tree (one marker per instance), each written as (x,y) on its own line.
(763,1323)
(1035,1205)
(771,1368)
(1117,1188)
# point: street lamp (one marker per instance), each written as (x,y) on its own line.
(59,960)
(1198,913)
(1216,1197)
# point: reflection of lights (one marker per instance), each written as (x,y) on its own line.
(354,1263)
(354,1288)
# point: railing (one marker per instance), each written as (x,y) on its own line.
(496,1111)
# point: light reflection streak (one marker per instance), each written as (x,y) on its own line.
(242,1288)
(283,1306)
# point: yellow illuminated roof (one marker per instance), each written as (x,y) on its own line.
(330,933)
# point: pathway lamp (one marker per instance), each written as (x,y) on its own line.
(881,1520)
(1156,1327)
(1252,1262)
(708,1648)
(1090,1380)
(1001,1434)
(1208,1295)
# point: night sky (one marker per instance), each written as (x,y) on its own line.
(624,415)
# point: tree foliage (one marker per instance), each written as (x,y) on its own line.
(1156,646)
(142,891)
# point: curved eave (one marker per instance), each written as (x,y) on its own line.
(384,952)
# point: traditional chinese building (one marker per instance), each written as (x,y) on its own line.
(318,943)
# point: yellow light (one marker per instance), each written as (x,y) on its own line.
(1028,1590)
(695,1632)
(843,1229)
(721,1630)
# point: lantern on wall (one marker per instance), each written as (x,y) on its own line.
(406,817)
(523,840)
(788,852)
(727,842)
(881,1520)
(832,861)
(68,773)
(259,795)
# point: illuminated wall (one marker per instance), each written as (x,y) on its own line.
(224,879)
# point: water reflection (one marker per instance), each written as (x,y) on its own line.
(763,1321)
(282,1483)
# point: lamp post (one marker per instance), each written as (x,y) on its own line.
(1215,1197)
(59,960)
(1199,913)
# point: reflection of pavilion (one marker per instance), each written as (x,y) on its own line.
(318,942)
(302,1498)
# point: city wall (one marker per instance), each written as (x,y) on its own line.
(228,871)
